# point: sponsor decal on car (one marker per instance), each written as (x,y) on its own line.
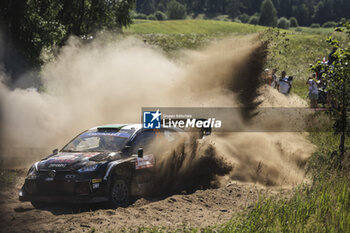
(146,162)
(114,134)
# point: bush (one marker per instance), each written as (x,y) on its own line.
(237,20)
(140,16)
(293,22)
(315,25)
(254,19)
(176,10)
(151,17)
(160,15)
(341,22)
(283,23)
(330,24)
(244,18)
(222,18)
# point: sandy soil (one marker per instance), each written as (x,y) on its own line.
(199,209)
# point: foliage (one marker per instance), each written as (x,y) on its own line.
(315,25)
(254,19)
(222,18)
(148,7)
(305,11)
(176,10)
(330,24)
(236,20)
(244,18)
(323,207)
(7,177)
(140,16)
(32,25)
(160,15)
(268,14)
(293,22)
(233,8)
(283,23)
(151,17)
(337,77)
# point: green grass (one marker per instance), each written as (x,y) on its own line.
(8,177)
(191,27)
(313,30)
(322,207)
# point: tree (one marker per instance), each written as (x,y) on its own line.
(254,19)
(244,18)
(176,10)
(233,8)
(31,25)
(337,78)
(268,14)
(324,11)
(303,15)
(148,7)
(293,22)
(160,15)
(283,23)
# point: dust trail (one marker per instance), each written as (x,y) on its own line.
(108,81)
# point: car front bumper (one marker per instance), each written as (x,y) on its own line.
(71,191)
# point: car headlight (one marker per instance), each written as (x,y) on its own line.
(32,172)
(89,168)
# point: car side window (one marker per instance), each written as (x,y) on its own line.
(144,140)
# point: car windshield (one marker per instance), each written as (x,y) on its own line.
(99,141)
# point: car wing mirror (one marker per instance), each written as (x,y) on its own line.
(140,152)
(55,151)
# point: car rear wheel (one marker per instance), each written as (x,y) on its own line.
(120,192)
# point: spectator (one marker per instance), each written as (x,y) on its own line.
(313,91)
(284,84)
(266,76)
(274,79)
(331,56)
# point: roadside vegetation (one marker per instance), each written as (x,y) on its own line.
(8,177)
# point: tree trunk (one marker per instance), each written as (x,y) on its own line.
(343,128)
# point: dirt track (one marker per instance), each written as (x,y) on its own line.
(199,209)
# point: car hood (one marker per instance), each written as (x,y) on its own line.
(70,161)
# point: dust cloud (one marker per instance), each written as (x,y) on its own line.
(108,81)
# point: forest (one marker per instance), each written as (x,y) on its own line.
(305,11)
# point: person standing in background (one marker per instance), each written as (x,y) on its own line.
(284,84)
(274,80)
(313,92)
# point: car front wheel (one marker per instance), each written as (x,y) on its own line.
(38,205)
(120,193)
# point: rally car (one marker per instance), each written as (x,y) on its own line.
(104,163)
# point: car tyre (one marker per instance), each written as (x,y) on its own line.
(120,192)
(38,205)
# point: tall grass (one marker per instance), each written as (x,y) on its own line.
(7,177)
(322,207)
